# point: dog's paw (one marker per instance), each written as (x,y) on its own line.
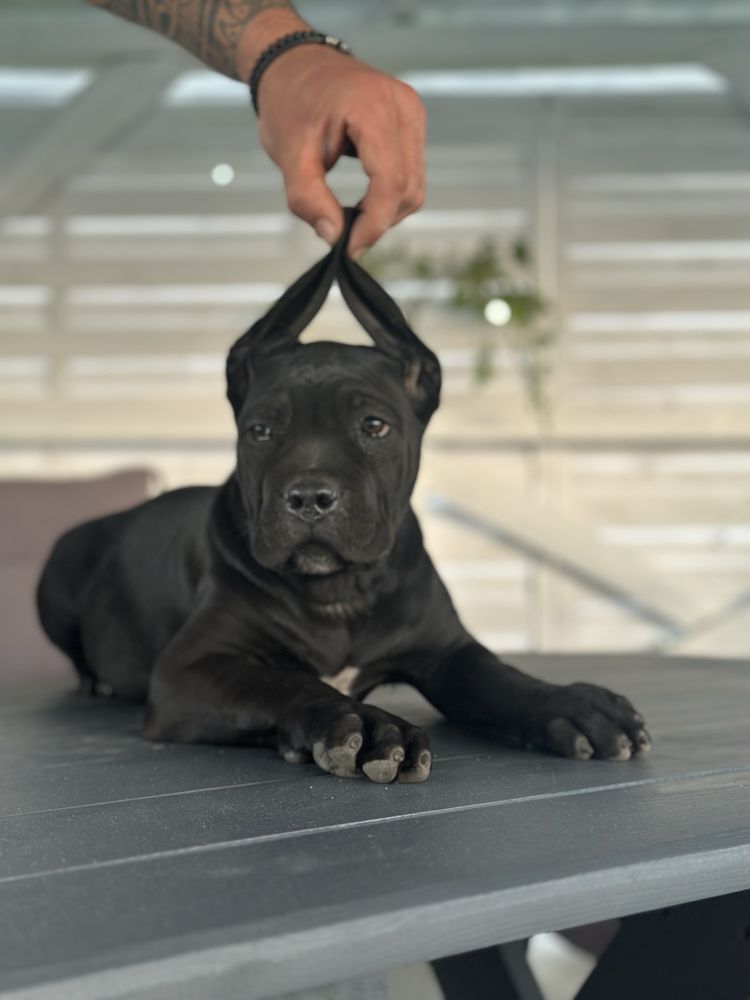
(585,720)
(365,741)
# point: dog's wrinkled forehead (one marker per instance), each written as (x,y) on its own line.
(323,367)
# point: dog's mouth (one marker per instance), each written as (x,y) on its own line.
(314,559)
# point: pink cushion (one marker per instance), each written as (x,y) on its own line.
(33,514)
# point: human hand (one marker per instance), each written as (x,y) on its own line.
(316,103)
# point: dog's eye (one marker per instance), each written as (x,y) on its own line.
(260,432)
(375,427)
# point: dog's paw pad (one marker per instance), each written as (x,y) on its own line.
(340,760)
(582,749)
(624,749)
(336,748)
(584,720)
(419,772)
(370,743)
(295,755)
(566,739)
(384,770)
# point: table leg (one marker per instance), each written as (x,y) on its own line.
(498,973)
(697,951)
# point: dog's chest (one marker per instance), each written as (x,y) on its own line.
(327,646)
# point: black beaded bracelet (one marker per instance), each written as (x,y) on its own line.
(285,43)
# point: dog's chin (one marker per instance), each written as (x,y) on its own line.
(314,559)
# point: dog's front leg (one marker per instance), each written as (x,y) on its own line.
(230,698)
(471,685)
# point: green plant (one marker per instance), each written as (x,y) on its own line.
(476,278)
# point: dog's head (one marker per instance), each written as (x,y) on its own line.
(329,434)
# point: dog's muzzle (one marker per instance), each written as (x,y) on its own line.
(312,499)
(313,559)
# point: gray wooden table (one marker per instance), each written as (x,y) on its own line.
(129,869)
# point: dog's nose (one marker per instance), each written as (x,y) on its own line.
(312,499)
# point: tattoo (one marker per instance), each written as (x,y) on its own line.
(210,29)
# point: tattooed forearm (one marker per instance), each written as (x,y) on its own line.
(210,29)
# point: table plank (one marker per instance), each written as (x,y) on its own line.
(114,853)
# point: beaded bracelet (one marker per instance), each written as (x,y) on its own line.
(285,43)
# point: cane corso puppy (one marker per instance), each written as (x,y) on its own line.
(263,611)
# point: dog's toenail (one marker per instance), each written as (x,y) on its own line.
(626,749)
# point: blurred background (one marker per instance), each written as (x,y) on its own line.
(580,266)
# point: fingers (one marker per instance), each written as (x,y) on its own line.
(314,104)
(412,123)
(392,156)
(309,197)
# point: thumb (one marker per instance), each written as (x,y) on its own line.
(309,197)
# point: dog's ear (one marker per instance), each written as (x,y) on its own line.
(387,325)
(371,305)
(280,327)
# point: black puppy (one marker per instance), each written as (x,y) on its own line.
(263,611)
